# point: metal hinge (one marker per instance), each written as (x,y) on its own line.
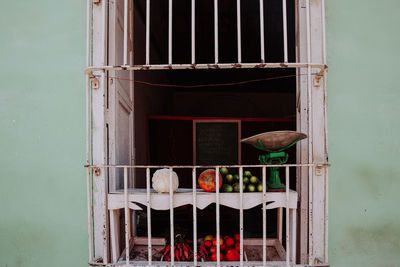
(318,78)
(95,82)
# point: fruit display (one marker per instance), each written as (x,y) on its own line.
(229,248)
(207,180)
(251,183)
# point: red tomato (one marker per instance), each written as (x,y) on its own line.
(214,256)
(237,237)
(214,241)
(232,255)
(207,180)
(237,246)
(208,244)
(229,242)
(213,249)
(222,247)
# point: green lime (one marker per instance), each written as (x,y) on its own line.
(229,178)
(260,187)
(247,173)
(236,177)
(245,180)
(227,188)
(254,180)
(236,187)
(223,171)
(251,187)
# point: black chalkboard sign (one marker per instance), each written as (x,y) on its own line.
(216,143)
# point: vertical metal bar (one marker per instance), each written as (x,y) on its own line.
(216,60)
(147,32)
(310,138)
(90,221)
(169,32)
(323,31)
(127,235)
(194,217)
(280,215)
(262,31)
(239,31)
(287,218)
(326,215)
(88,18)
(285,45)
(264,215)
(241,213)
(217,215)
(171,216)
(149,252)
(106,225)
(126,8)
(193,31)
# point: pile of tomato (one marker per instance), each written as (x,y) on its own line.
(229,248)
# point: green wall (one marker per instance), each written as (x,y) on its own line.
(43,214)
(363,42)
(42,129)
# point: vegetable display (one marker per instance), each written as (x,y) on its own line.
(229,248)
(160,181)
(207,180)
(182,250)
(251,183)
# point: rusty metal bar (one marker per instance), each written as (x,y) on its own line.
(209,66)
(285,42)
(127,226)
(216,60)
(264,215)
(194,183)
(105,218)
(193,31)
(149,252)
(287,217)
(239,31)
(147,32)
(171,215)
(206,166)
(262,31)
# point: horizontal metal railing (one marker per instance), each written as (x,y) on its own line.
(290,242)
(237,63)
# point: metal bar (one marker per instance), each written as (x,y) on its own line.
(147,32)
(216,31)
(285,45)
(126,32)
(310,139)
(241,213)
(126,198)
(323,31)
(149,252)
(205,166)
(264,215)
(171,216)
(208,66)
(169,32)
(239,31)
(194,216)
(262,44)
(326,172)
(193,31)
(217,219)
(88,18)
(105,206)
(90,215)
(287,217)
(279,222)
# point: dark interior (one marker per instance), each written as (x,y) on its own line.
(170,142)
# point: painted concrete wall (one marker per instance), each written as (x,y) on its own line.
(43,211)
(42,125)
(363,53)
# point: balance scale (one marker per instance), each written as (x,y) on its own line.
(274,144)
